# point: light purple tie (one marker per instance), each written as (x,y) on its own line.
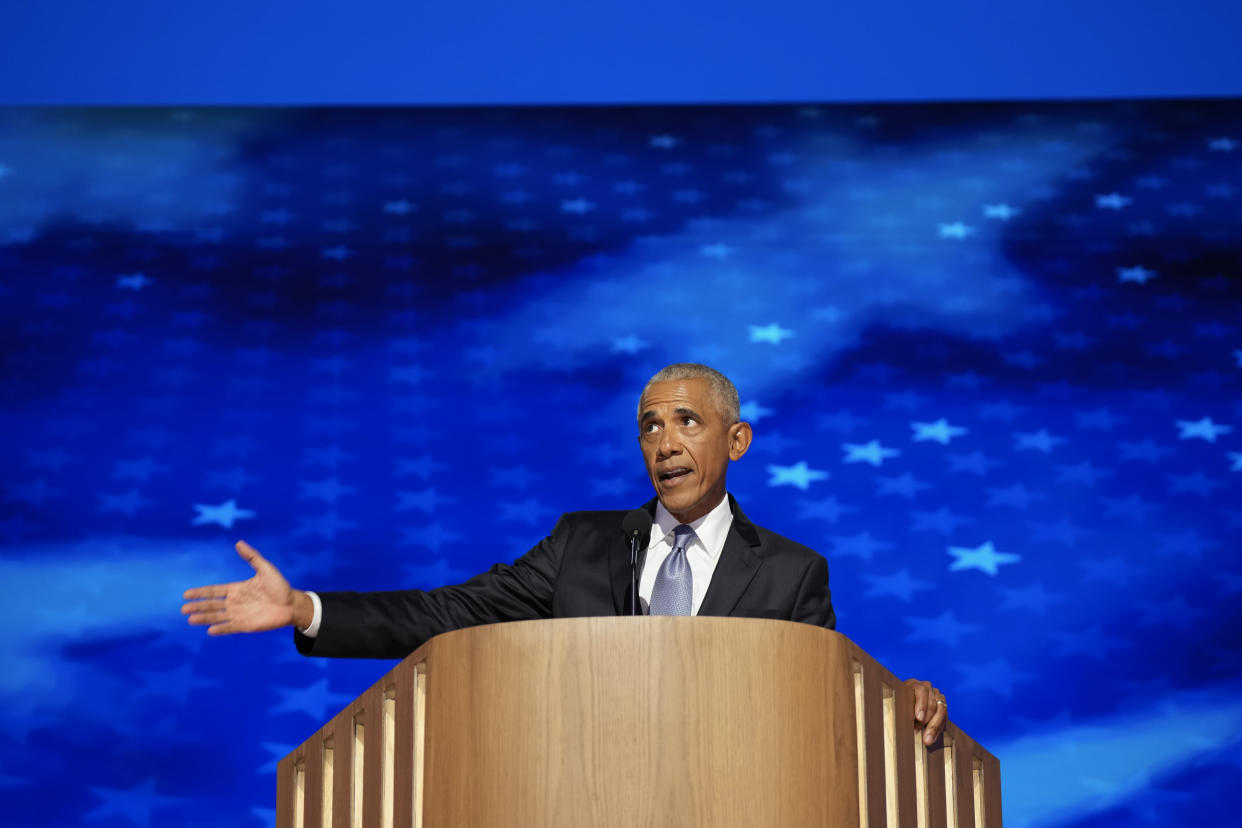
(673,593)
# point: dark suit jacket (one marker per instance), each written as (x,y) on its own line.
(581,569)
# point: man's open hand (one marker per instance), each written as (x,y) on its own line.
(264,602)
(931,711)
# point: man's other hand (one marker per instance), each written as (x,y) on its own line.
(264,602)
(931,711)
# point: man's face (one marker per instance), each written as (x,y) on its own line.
(687,446)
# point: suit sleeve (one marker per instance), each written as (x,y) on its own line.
(813,604)
(394,624)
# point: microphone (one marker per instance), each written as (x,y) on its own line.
(637,527)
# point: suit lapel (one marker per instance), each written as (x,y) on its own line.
(738,564)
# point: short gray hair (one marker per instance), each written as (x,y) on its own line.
(724,395)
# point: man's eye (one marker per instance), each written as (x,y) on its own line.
(688,421)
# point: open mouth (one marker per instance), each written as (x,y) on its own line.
(671,476)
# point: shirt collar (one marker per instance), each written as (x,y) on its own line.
(711,529)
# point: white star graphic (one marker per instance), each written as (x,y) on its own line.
(796,475)
(1204,429)
(752,412)
(1000,211)
(772,333)
(955,230)
(224,514)
(984,558)
(871,452)
(940,431)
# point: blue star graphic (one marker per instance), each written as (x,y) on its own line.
(1031,597)
(871,452)
(1235,457)
(975,463)
(1090,642)
(1112,201)
(223,514)
(1037,440)
(941,520)
(134,282)
(327,490)
(992,677)
(1203,429)
(1002,410)
(316,700)
(325,525)
(828,509)
(1131,506)
(984,558)
(628,344)
(131,804)
(519,477)
(1059,531)
(1143,450)
(944,630)
(1000,211)
(753,412)
(772,333)
(940,431)
(1083,472)
(898,585)
(861,545)
(1017,495)
(438,573)
(904,485)
(843,421)
(1196,483)
(427,500)
(127,503)
(1137,274)
(796,475)
(531,511)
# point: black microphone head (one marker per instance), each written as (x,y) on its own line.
(638,524)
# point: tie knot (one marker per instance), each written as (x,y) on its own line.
(682,535)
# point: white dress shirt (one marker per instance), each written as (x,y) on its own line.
(703,553)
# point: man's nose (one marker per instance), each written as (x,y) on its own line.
(669,444)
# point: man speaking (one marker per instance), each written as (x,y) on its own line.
(704,557)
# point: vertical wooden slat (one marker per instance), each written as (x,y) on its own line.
(903,700)
(387,758)
(403,746)
(327,758)
(873,698)
(299,794)
(357,771)
(313,763)
(919,753)
(979,792)
(992,790)
(950,783)
(342,784)
(964,777)
(891,806)
(937,813)
(420,739)
(860,730)
(284,788)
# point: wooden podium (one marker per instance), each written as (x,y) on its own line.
(636,722)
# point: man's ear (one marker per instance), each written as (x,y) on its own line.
(740,436)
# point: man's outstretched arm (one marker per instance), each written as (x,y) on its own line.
(264,602)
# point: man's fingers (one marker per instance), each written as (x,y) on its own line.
(211,605)
(211,591)
(922,701)
(198,619)
(932,732)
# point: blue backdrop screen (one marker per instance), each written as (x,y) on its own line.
(991,353)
